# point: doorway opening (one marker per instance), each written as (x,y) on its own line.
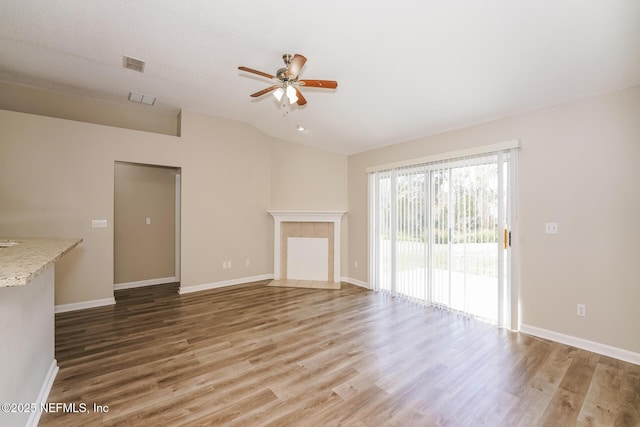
(146,225)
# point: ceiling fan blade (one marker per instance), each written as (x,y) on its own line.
(296,65)
(301,100)
(260,73)
(263,91)
(325,84)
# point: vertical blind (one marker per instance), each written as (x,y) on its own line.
(437,233)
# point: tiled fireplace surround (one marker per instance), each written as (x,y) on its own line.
(310,224)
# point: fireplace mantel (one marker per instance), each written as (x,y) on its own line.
(279,217)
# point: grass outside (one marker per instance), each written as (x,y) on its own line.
(471,258)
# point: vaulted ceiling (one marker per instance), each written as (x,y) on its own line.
(406,69)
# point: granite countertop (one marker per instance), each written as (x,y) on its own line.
(22,259)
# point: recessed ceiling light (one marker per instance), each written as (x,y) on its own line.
(300,128)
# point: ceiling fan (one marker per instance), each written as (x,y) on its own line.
(287,87)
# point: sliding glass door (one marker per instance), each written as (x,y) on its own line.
(439,234)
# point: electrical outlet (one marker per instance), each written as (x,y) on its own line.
(224,265)
(582,310)
(228,264)
(551,228)
(148,221)
(247,262)
(355,264)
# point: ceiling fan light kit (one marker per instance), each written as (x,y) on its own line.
(287,90)
(287,86)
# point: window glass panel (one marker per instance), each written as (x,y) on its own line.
(437,234)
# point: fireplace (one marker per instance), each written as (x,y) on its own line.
(307,245)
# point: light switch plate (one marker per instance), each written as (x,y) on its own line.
(551,228)
(98,223)
(582,310)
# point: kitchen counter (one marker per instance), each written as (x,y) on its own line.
(27,323)
(23,259)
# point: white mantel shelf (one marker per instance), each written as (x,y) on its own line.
(306,216)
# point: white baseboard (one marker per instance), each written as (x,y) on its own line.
(595,347)
(62,308)
(232,282)
(43,395)
(355,282)
(142,283)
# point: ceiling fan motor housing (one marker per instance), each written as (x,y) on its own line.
(281,74)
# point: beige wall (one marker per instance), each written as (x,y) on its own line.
(63,106)
(225,198)
(306,178)
(144,251)
(578,166)
(57,175)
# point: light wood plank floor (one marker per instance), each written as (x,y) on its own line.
(253,355)
(308,284)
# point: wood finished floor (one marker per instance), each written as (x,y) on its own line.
(253,355)
(308,284)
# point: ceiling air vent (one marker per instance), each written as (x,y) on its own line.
(133,64)
(141,98)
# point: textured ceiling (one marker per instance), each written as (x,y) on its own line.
(406,69)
